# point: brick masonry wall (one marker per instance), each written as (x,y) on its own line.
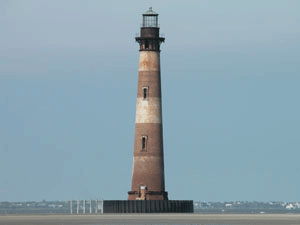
(148,162)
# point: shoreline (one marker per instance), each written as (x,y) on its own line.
(254,219)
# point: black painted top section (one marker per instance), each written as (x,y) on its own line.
(150,32)
(149,39)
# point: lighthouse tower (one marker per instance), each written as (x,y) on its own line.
(148,181)
(147,194)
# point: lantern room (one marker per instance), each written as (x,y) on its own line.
(150,18)
(149,38)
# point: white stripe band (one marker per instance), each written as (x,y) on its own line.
(149,110)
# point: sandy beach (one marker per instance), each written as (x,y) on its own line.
(253,219)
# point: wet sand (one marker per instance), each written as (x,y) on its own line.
(265,219)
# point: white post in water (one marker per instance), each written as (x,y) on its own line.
(90,207)
(77,207)
(96,207)
(71,207)
(83,207)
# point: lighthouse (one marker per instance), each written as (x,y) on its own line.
(148,180)
(148,194)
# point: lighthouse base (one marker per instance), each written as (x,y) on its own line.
(148,206)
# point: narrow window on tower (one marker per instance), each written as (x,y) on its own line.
(146,44)
(144,143)
(145,93)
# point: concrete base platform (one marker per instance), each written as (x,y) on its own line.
(148,206)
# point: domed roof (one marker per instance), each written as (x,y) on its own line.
(150,12)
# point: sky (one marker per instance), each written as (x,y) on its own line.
(230,92)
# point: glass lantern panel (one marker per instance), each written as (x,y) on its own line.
(150,21)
